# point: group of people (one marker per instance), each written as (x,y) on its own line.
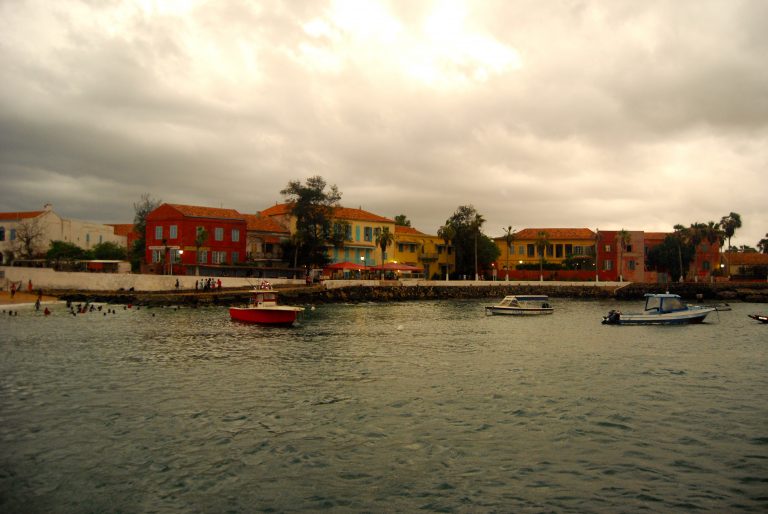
(15,288)
(208,284)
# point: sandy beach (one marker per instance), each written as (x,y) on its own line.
(23,298)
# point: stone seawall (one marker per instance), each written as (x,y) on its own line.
(395,293)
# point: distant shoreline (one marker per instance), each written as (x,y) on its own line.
(720,292)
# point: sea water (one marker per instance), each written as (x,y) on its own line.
(429,406)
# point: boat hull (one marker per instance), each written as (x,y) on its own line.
(759,317)
(280,316)
(517,311)
(671,318)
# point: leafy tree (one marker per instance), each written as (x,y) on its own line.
(142,209)
(672,255)
(64,251)
(200,238)
(729,224)
(763,244)
(384,239)
(472,248)
(108,251)
(402,220)
(312,206)
(542,241)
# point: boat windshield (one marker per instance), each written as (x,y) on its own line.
(672,304)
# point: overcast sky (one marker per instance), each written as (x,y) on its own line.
(561,113)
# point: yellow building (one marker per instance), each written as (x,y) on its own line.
(424,251)
(363,228)
(562,244)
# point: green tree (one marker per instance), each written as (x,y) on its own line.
(383,240)
(670,255)
(473,250)
(142,209)
(108,251)
(402,220)
(729,224)
(312,206)
(200,239)
(64,251)
(542,242)
(763,244)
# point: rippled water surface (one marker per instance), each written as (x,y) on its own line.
(382,407)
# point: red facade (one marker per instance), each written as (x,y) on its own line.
(172,231)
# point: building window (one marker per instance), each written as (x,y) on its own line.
(377,232)
(173,231)
(219,257)
(202,257)
(159,232)
(368,233)
(218,234)
(632,265)
(357,232)
(531,250)
(705,265)
(607,248)
(2,233)
(607,265)
(348,233)
(235,257)
(157,256)
(578,250)
(235,235)
(400,247)
(175,256)
(13,234)
(87,238)
(101,239)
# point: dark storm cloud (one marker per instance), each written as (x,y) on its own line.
(570,113)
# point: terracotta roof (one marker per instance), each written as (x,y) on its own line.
(196,211)
(657,235)
(555,233)
(259,223)
(748,258)
(20,215)
(277,209)
(400,229)
(344,213)
(122,229)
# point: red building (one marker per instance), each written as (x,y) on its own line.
(185,236)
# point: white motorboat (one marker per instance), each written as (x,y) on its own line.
(660,309)
(522,305)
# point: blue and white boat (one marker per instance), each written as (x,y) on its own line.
(522,305)
(660,309)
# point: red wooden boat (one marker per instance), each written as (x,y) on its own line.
(264,310)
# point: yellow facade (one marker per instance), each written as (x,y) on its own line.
(423,250)
(562,243)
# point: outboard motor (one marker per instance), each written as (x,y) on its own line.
(612,318)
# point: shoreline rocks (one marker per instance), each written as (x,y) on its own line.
(748,292)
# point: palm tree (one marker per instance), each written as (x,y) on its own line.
(200,238)
(542,241)
(474,226)
(622,238)
(729,224)
(446,233)
(384,239)
(713,234)
(509,238)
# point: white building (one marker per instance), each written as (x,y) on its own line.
(38,229)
